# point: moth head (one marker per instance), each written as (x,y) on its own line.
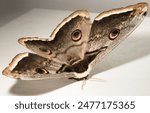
(118,23)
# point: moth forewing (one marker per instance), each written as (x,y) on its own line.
(111,27)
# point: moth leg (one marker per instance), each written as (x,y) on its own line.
(83,83)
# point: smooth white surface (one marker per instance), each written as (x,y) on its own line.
(125,71)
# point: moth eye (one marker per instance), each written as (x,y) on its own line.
(76,35)
(44,50)
(41,71)
(114,34)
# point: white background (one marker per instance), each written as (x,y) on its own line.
(91,5)
(125,71)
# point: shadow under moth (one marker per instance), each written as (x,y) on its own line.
(76,44)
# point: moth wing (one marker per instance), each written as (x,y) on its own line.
(28,66)
(69,39)
(111,27)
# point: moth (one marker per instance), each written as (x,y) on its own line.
(75,45)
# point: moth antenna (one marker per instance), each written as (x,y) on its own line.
(91,78)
